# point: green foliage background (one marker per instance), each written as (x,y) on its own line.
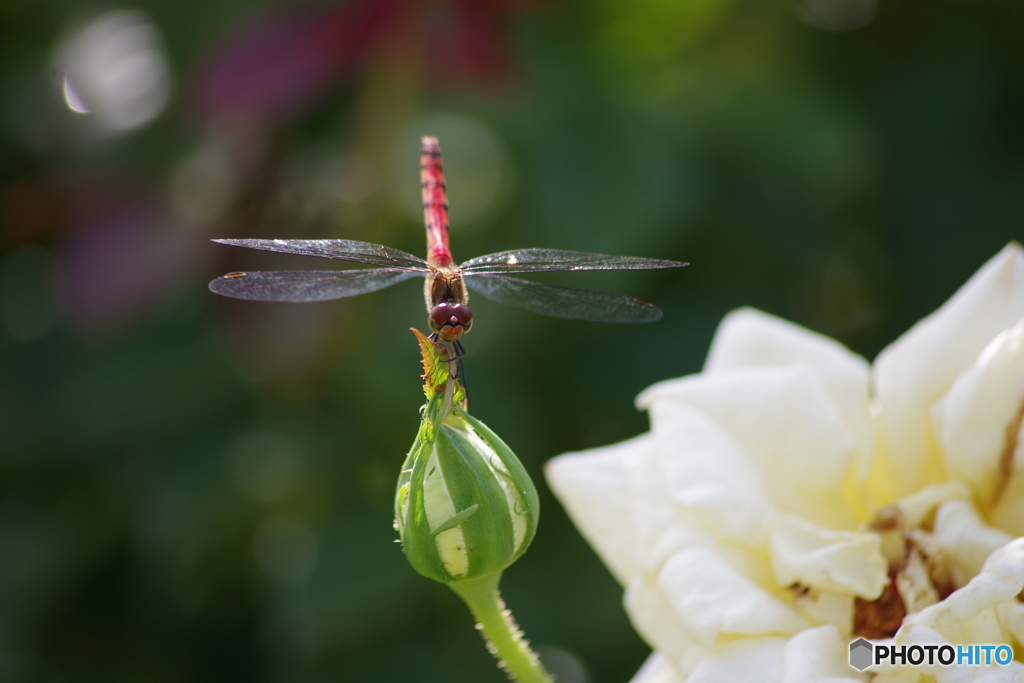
(166,455)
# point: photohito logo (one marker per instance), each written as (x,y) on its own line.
(863,654)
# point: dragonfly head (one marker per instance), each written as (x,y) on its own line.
(450,320)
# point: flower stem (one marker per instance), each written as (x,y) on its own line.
(504,639)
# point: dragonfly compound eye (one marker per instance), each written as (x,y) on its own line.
(461,313)
(439,315)
(450,320)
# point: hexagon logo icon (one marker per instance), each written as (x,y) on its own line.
(860,654)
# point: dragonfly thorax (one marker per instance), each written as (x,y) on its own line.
(450,321)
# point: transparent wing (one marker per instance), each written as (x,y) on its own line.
(563,302)
(532,260)
(343,250)
(306,285)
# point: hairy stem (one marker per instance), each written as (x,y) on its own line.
(504,639)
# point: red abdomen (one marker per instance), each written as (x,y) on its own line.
(435,203)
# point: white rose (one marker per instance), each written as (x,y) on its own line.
(792,497)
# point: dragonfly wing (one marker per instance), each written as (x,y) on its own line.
(344,250)
(563,302)
(306,285)
(532,260)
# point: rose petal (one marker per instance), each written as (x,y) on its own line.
(747,660)
(916,507)
(818,654)
(1000,580)
(901,675)
(787,426)
(749,338)
(826,607)
(1011,673)
(707,473)
(654,619)
(841,561)
(1008,513)
(656,669)
(594,488)
(977,422)
(1011,616)
(913,372)
(660,527)
(916,634)
(712,600)
(966,542)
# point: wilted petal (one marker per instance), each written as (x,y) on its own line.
(787,426)
(816,655)
(748,660)
(912,373)
(977,422)
(712,600)
(1008,513)
(594,488)
(966,542)
(1001,580)
(711,477)
(842,561)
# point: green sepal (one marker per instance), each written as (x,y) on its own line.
(456,520)
(520,477)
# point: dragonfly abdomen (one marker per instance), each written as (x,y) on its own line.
(435,203)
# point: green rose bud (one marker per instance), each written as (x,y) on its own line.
(465,508)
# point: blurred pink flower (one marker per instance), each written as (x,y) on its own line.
(283,62)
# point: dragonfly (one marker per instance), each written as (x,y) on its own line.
(446,285)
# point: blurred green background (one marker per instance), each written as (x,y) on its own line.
(199,489)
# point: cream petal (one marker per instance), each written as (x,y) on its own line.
(841,561)
(965,541)
(901,675)
(789,429)
(660,527)
(916,634)
(749,338)
(714,601)
(747,660)
(964,613)
(1012,673)
(656,669)
(826,608)
(978,421)
(913,372)
(651,614)
(816,655)
(916,507)
(708,474)
(593,486)
(1011,616)
(1008,513)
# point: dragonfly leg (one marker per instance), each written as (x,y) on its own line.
(460,369)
